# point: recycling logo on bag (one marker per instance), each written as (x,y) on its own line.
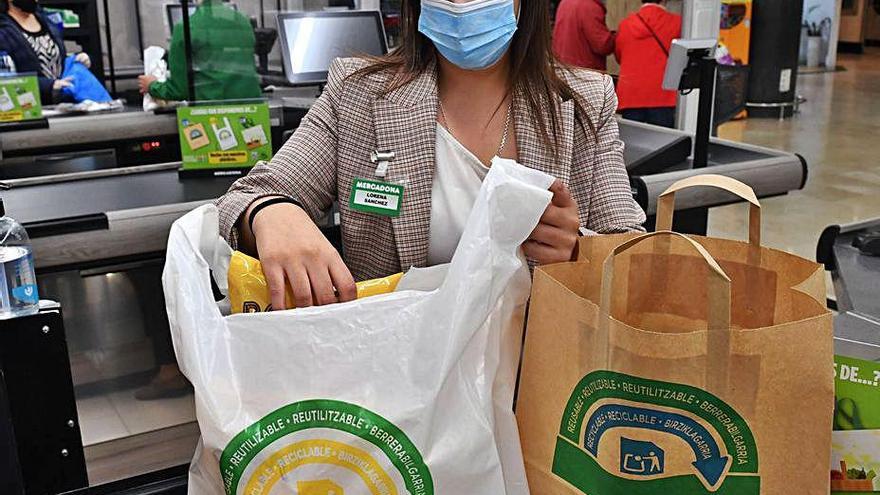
(624,434)
(323,447)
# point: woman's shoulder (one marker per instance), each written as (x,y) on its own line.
(353,73)
(590,85)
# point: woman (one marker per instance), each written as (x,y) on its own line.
(471,80)
(643,43)
(35,46)
(223,58)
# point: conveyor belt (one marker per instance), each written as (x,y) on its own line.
(769,172)
(856,276)
(857,335)
(52,208)
(129,123)
(651,149)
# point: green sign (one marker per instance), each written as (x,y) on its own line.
(855,446)
(226,135)
(20,98)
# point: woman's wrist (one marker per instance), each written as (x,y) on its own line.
(262,204)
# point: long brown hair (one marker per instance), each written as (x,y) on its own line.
(533,68)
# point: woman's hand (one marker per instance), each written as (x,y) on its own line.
(144,83)
(294,252)
(555,239)
(83,58)
(61,83)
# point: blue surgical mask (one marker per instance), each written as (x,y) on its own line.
(472,35)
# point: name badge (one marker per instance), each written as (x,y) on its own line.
(376,197)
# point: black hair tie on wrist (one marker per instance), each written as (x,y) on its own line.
(267,203)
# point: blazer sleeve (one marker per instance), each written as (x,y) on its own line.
(303,169)
(599,179)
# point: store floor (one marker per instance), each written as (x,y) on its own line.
(124,436)
(837,131)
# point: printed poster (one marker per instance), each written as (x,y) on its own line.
(19,98)
(236,135)
(855,456)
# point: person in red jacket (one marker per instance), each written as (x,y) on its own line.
(643,43)
(580,36)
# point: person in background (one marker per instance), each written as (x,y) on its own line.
(222,57)
(643,43)
(35,46)
(580,36)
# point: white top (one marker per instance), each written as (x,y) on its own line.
(458,175)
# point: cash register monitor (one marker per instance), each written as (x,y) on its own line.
(174,12)
(311,40)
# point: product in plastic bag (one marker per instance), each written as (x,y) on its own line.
(249,290)
(403,393)
(84,86)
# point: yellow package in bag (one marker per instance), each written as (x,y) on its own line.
(249,291)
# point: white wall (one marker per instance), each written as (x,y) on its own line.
(815,11)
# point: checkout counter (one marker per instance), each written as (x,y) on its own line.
(124,138)
(98,195)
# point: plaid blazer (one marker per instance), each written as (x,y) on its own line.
(352,118)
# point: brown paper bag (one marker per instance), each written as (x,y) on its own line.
(651,368)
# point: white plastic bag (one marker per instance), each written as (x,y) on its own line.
(154,65)
(403,393)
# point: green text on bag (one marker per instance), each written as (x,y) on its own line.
(647,427)
(349,441)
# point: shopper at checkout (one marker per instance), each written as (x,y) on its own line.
(222,58)
(643,43)
(581,36)
(444,103)
(35,46)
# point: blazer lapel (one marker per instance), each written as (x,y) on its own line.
(533,153)
(406,123)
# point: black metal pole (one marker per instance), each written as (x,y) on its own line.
(704,112)
(140,28)
(187,47)
(109,47)
(262,14)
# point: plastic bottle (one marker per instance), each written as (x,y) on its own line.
(18,282)
(7,65)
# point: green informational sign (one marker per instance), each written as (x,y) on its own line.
(855,459)
(225,135)
(20,98)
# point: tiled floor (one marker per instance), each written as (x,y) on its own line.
(118,415)
(838,132)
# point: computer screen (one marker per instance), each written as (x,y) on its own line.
(311,40)
(174,11)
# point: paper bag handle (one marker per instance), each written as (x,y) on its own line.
(718,315)
(666,202)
